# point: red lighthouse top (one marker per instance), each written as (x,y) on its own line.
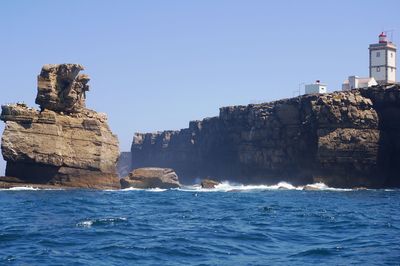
(383,37)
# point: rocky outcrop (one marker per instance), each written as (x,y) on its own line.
(144,178)
(208,183)
(344,139)
(64,144)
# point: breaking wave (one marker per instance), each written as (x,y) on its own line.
(227,186)
(27,188)
(224,186)
(253,226)
(234,187)
(101,222)
(140,189)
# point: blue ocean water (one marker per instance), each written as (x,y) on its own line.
(252,226)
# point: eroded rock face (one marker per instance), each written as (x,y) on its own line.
(343,139)
(151,177)
(65,144)
(61,88)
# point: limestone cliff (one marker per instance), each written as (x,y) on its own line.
(344,139)
(64,144)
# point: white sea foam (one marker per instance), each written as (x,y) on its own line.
(224,186)
(29,188)
(322,186)
(85,223)
(227,186)
(235,187)
(156,189)
(23,188)
(140,189)
(100,221)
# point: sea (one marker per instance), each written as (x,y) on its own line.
(230,225)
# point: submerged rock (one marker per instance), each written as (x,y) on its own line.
(208,183)
(151,177)
(64,144)
(310,187)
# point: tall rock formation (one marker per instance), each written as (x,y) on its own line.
(344,139)
(64,144)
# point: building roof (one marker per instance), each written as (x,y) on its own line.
(361,80)
(382,45)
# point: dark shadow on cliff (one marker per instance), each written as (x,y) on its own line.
(31,172)
(387,105)
(389,145)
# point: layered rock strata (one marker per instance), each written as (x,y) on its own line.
(64,144)
(344,139)
(152,177)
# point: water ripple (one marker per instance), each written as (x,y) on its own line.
(175,227)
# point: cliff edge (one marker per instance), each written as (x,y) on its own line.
(63,144)
(343,139)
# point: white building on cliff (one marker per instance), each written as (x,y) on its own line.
(354,82)
(382,60)
(316,87)
(382,66)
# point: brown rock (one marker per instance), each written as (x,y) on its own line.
(65,144)
(208,183)
(60,88)
(151,177)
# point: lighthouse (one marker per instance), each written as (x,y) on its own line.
(382,60)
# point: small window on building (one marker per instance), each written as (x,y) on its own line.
(378,69)
(391,55)
(378,54)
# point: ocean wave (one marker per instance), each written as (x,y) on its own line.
(235,187)
(224,186)
(21,188)
(139,189)
(227,186)
(101,221)
(29,188)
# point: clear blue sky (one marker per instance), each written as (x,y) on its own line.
(157,65)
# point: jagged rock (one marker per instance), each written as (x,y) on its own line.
(65,144)
(208,183)
(151,177)
(61,88)
(343,139)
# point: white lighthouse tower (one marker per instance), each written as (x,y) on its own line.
(382,60)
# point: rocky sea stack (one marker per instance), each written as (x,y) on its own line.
(64,144)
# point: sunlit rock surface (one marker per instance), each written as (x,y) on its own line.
(151,177)
(344,139)
(64,144)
